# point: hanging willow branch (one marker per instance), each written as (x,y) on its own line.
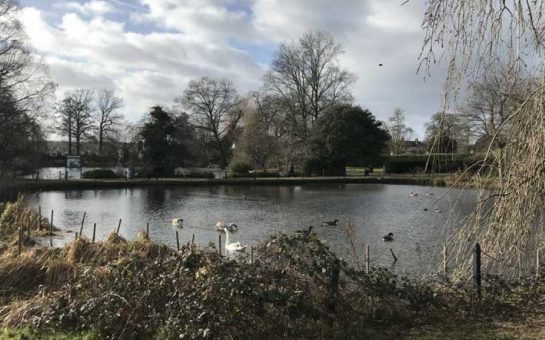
(474,36)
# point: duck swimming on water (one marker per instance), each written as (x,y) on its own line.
(305,232)
(332,223)
(178,222)
(221,226)
(389,237)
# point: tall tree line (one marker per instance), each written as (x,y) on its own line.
(83,114)
(24,90)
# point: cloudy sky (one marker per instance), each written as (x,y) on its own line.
(147,50)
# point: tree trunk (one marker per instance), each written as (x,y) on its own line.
(69,134)
(77,145)
(100,141)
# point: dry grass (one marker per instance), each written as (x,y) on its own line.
(15,215)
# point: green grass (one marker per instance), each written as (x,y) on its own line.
(28,333)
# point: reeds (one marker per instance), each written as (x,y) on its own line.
(18,214)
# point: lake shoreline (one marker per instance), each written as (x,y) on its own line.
(23,185)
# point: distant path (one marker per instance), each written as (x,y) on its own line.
(19,185)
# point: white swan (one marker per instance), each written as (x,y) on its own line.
(235,246)
(178,222)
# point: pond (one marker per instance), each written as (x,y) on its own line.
(365,212)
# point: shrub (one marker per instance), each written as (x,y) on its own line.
(100,173)
(240,168)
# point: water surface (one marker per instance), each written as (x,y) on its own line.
(368,210)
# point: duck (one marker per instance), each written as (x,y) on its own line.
(437,210)
(220,226)
(332,223)
(232,247)
(389,237)
(413,194)
(232,227)
(305,232)
(178,222)
(425,209)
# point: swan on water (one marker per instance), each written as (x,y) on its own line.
(178,222)
(235,246)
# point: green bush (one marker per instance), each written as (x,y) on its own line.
(100,173)
(240,168)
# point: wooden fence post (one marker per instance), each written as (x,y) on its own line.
(251,255)
(520,266)
(94,231)
(477,269)
(118,227)
(82,221)
(40,219)
(445,257)
(219,244)
(147,229)
(192,240)
(538,254)
(367,260)
(177,241)
(19,240)
(393,255)
(51,223)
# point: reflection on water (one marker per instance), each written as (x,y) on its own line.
(370,210)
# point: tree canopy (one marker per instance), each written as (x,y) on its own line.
(346,135)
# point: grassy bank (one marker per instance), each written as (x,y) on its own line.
(295,288)
(31,185)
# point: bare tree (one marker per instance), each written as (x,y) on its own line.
(492,100)
(74,117)
(212,104)
(24,85)
(108,119)
(270,111)
(399,132)
(257,143)
(306,80)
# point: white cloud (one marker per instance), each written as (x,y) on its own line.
(179,40)
(144,68)
(94,7)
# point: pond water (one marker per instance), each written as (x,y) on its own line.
(369,211)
